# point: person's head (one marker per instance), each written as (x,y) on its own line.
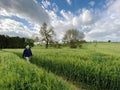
(27,47)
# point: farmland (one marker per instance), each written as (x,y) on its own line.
(16,74)
(96,67)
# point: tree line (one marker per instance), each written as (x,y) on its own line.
(14,42)
(72,37)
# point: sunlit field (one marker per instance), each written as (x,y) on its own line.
(59,44)
(95,66)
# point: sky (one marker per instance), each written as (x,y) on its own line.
(97,19)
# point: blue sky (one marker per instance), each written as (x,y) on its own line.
(77,4)
(97,19)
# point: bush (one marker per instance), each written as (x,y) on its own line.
(80,46)
(73,44)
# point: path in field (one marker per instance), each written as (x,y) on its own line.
(74,85)
(69,82)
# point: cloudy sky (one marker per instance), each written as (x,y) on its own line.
(98,19)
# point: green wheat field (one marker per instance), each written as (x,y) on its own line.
(92,67)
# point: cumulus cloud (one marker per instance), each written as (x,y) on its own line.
(69,2)
(46,3)
(113,7)
(28,9)
(92,3)
(55,7)
(70,21)
(67,15)
(14,28)
(84,18)
(107,27)
(95,24)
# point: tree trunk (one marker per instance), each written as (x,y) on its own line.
(46,44)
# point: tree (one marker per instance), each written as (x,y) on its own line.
(109,41)
(73,36)
(11,42)
(47,34)
(29,42)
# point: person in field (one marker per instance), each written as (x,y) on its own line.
(27,53)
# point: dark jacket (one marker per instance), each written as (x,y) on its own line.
(27,53)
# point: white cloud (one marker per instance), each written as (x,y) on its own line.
(108,27)
(46,3)
(30,10)
(70,21)
(114,7)
(55,7)
(3,12)
(27,9)
(60,25)
(92,3)
(14,28)
(95,24)
(84,18)
(69,2)
(67,15)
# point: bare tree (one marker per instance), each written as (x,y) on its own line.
(47,33)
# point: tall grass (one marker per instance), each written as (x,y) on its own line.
(96,66)
(16,74)
(96,69)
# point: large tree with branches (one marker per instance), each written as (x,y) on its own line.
(47,34)
(73,36)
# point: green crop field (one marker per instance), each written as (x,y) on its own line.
(92,67)
(16,74)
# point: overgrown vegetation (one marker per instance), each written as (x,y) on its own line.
(16,74)
(96,69)
(95,66)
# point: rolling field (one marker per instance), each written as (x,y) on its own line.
(16,74)
(93,67)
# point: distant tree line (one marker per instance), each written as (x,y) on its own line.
(14,42)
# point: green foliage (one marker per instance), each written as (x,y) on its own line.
(73,44)
(16,74)
(73,37)
(56,45)
(11,42)
(29,42)
(14,42)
